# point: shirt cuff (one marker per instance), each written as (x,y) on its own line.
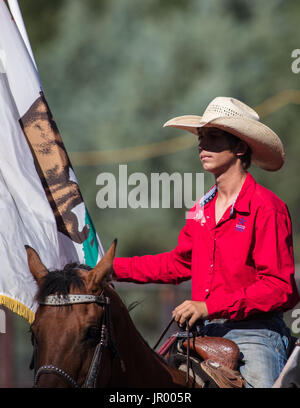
(214,310)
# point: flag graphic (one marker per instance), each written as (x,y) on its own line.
(40,201)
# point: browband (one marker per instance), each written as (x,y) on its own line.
(56,300)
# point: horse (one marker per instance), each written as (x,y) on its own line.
(83,335)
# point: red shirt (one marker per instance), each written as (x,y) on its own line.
(242,266)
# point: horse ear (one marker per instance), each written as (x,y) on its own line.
(37,268)
(103,267)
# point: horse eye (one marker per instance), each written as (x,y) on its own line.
(92,335)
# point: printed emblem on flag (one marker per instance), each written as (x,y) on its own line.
(53,167)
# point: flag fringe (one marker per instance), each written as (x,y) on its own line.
(18,308)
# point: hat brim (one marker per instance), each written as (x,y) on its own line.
(266,146)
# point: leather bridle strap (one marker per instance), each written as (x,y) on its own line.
(92,375)
(56,300)
(51,369)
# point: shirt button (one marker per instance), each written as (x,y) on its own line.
(212,265)
(206,290)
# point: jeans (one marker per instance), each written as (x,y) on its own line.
(263,344)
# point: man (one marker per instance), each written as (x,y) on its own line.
(236,245)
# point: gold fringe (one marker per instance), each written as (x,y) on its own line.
(17,307)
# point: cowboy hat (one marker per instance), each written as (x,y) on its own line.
(235,117)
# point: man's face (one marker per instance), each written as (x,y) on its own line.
(215,151)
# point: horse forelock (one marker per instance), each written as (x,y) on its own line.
(59,281)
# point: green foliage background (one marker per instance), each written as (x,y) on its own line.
(114,71)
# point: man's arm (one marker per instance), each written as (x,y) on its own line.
(168,267)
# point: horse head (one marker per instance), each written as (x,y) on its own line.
(68,326)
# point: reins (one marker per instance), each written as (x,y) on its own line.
(188,360)
(163,333)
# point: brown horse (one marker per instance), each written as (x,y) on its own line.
(83,335)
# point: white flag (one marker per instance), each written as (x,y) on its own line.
(40,200)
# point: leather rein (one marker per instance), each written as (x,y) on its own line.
(188,334)
(90,381)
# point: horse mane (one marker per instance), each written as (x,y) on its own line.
(59,281)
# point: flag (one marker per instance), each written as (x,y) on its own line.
(40,201)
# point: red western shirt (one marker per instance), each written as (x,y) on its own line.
(242,266)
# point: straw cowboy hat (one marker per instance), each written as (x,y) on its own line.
(237,118)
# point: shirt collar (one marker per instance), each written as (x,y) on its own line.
(208,196)
(242,201)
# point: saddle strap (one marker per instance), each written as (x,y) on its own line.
(223,376)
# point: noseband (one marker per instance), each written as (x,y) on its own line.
(90,381)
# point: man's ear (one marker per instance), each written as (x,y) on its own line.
(241,148)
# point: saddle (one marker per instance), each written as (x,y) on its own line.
(218,359)
(222,351)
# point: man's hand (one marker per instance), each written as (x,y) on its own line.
(190,311)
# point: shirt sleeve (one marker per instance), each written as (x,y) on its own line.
(168,267)
(274,288)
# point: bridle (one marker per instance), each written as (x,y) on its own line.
(105,339)
(90,381)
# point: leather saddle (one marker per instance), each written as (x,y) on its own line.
(218,358)
(223,351)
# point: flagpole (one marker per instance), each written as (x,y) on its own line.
(17,16)
(6,354)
